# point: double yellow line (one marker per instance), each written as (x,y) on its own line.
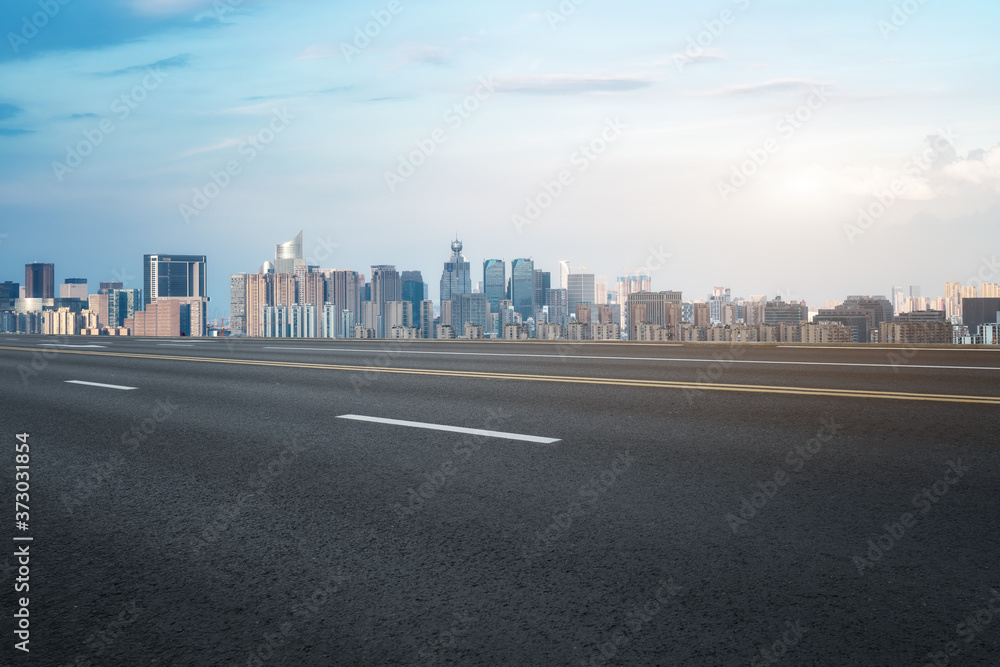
(653,384)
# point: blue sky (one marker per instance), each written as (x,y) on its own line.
(162,94)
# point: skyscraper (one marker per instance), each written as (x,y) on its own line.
(122,305)
(564,272)
(456,278)
(581,290)
(522,287)
(494,282)
(173,275)
(541,285)
(39,281)
(413,292)
(344,288)
(286,254)
(238,304)
(386,286)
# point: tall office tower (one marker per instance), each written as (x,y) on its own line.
(39,281)
(344,288)
(397,314)
(660,308)
(542,284)
(260,295)
(73,288)
(122,305)
(9,292)
(915,291)
(557,301)
(494,282)
(564,272)
(238,304)
(413,291)
(312,289)
(173,275)
(285,289)
(386,286)
(581,289)
(287,255)
(522,287)
(474,308)
(426,319)
(456,278)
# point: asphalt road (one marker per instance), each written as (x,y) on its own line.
(701,505)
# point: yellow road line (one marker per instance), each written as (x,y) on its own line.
(655,384)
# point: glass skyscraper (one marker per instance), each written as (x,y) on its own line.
(456,278)
(495,282)
(522,287)
(413,291)
(173,275)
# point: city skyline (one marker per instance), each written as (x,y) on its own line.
(633,151)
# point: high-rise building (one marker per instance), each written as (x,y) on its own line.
(288,255)
(581,290)
(426,318)
(914,290)
(107,286)
(456,278)
(660,309)
(122,305)
(558,305)
(386,286)
(276,323)
(39,281)
(302,321)
(173,276)
(286,288)
(238,304)
(542,284)
(9,292)
(344,288)
(899,297)
(564,271)
(495,282)
(979,311)
(787,312)
(989,291)
(73,288)
(260,294)
(312,289)
(474,308)
(413,292)
(98,304)
(397,314)
(167,317)
(522,287)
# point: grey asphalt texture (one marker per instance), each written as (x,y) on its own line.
(245,524)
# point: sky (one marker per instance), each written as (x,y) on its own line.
(808,150)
